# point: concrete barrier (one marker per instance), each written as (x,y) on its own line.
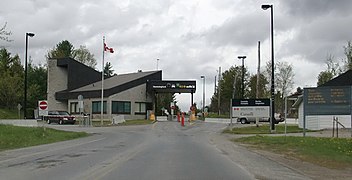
(20,122)
(118,119)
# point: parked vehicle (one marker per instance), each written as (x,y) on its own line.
(247,120)
(60,117)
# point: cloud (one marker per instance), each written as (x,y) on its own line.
(191,38)
(306,9)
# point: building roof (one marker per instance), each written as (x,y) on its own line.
(112,85)
(75,70)
(344,79)
(114,81)
(298,101)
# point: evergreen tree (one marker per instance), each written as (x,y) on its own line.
(108,71)
(11,81)
(64,49)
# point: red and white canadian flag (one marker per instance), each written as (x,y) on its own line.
(106,48)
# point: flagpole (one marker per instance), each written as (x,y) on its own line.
(102,86)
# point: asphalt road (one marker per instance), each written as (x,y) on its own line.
(164,150)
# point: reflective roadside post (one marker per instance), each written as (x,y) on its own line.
(203,113)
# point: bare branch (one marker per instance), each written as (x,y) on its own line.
(4,34)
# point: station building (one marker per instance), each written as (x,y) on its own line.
(318,106)
(131,95)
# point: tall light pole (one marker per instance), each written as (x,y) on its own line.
(203,77)
(242,57)
(272,115)
(25,77)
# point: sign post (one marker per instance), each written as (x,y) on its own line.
(43,107)
(250,107)
(80,103)
(43,111)
(19,110)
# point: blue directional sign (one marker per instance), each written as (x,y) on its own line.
(327,100)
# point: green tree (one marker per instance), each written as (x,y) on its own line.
(229,87)
(333,70)
(163,101)
(283,81)
(84,56)
(64,49)
(263,84)
(284,78)
(348,53)
(37,84)
(4,34)
(324,77)
(11,81)
(108,71)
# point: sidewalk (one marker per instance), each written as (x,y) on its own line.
(20,122)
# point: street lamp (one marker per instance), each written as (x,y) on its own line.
(25,77)
(242,57)
(203,77)
(272,115)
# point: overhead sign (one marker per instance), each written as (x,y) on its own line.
(327,100)
(175,86)
(43,108)
(172,86)
(250,102)
(250,107)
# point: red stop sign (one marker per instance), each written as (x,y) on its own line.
(43,105)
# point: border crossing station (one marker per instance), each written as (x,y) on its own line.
(131,95)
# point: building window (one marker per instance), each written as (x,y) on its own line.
(96,108)
(140,108)
(74,109)
(121,107)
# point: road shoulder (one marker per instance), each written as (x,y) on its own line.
(302,169)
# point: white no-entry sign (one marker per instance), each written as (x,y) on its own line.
(43,105)
(43,108)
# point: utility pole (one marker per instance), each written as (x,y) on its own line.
(219,91)
(258,72)
(215,85)
(242,86)
(258,76)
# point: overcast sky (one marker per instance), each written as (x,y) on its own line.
(191,38)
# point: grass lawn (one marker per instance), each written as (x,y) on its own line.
(328,152)
(265,129)
(8,114)
(12,137)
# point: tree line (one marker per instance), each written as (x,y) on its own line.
(229,86)
(335,67)
(12,73)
